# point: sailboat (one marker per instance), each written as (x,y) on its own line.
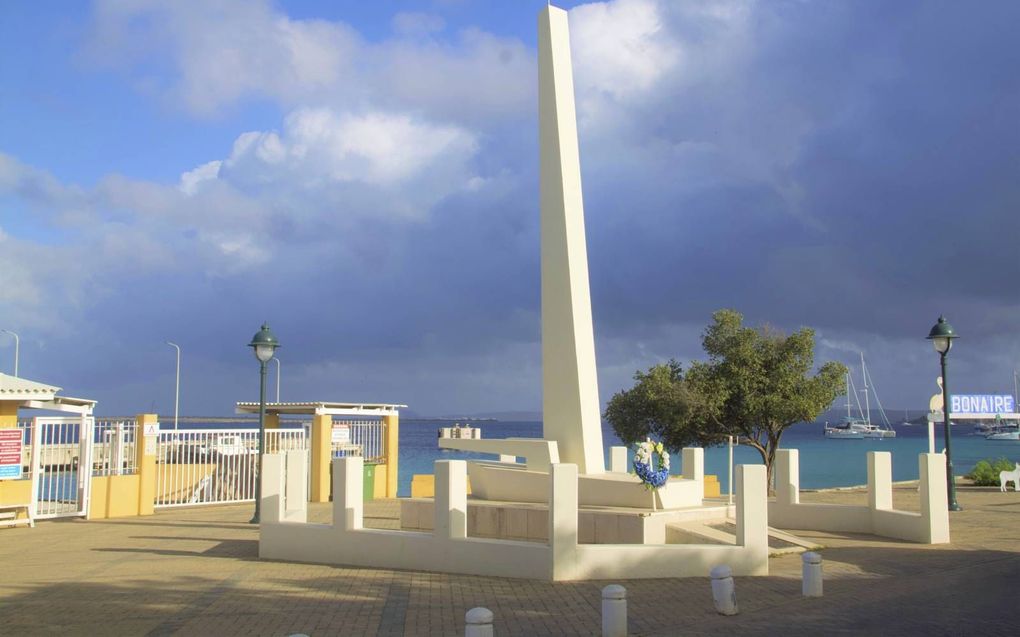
(861,427)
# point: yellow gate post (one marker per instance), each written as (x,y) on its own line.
(322,452)
(13,491)
(392,446)
(145,450)
(272,422)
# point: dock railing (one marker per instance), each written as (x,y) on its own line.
(215,466)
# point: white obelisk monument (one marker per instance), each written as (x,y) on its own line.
(570,401)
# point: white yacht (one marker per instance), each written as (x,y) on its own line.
(859,428)
(849,429)
(1004,431)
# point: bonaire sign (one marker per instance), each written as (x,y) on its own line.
(981,404)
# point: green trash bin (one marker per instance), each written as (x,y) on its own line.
(369,481)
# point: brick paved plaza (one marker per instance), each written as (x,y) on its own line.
(195,572)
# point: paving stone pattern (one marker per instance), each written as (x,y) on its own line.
(195,572)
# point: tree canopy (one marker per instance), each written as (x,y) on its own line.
(755,384)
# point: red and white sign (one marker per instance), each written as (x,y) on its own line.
(10,454)
(341,434)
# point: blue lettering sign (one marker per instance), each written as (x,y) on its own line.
(982,404)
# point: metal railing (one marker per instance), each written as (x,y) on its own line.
(113,448)
(60,461)
(366,440)
(214,466)
(26,448)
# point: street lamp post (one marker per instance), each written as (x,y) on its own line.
(941,336)
(17,346)
(277,378)
(264,343)
(177,385)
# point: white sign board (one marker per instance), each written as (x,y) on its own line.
(981,404)
(151,429)
(341,434)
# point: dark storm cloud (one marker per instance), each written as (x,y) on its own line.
(847,166)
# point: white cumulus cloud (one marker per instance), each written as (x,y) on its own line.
(400,163)
(621,47)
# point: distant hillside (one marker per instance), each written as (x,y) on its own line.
(509,416)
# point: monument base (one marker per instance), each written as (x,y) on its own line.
(529,521)
(510,482)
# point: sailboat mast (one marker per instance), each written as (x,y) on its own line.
(848,416)
(867,405)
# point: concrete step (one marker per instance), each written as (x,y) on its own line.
(722,531)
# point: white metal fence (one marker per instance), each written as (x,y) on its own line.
(26,448)
(192,466)
(113,448)
(366,440)
(210,466)
(60,459)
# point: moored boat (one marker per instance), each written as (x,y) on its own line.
(1005,431)
(859,428)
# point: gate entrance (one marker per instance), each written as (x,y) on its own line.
(215,466)
(61,466)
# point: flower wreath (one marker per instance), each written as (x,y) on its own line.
(652,478)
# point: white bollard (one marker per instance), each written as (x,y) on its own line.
(812,584)
(614,611)
(724,593)
(478,622)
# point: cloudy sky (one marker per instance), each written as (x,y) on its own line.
(364,176)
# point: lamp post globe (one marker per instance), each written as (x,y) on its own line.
(941,336)
(264,344)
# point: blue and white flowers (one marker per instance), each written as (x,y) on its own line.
(652,477)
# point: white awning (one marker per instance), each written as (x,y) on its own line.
(322,409)
(35,395)
(15,388)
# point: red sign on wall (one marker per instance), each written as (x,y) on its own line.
(10,454)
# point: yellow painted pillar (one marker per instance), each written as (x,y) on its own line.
(272,442)
(322,452)
(8,414)
(272,421)
(13,491)
(145,450)
(392,449)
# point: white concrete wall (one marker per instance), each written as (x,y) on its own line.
(451,499)
(515,483)
(618,460)
(930,526)
(448,549)
(347,542)
(538,454)
(284,475)
(748,557)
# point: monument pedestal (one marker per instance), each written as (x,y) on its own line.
(529,521)
(508,482)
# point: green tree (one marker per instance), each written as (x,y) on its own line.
(755,384)
(660,404)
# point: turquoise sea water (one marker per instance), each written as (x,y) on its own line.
(824,462)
